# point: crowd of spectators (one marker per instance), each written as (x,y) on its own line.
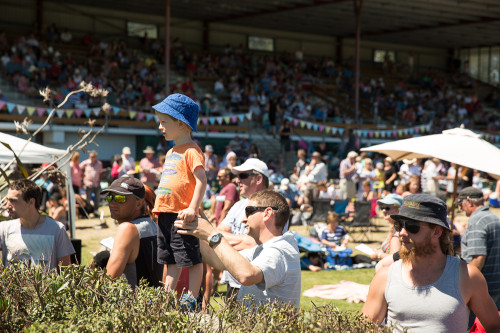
(269,86)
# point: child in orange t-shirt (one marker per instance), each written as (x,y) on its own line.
(179,194)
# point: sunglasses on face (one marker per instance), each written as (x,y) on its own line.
(249,210)
(384,207)
(413,227)
(117,197)
(245,175)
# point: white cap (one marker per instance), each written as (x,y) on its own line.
(126,150)
(209,148)
(285,184)
(352,154)
(252,164)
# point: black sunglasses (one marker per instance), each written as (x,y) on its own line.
(386,207)
(413,227)
(249,210)
(245,175)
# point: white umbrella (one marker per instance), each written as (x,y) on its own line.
(457,145)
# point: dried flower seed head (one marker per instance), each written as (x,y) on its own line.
(91,122)
(106,107)
(46,93)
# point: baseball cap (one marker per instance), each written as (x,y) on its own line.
(391,199)
(181,108)
(127,185)
(252,164)
(209,148)
(470,192)
(425,208)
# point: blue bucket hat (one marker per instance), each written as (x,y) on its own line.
(181,108)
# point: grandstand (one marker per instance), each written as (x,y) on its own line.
(424,68)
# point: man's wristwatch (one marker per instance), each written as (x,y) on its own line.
(215,239)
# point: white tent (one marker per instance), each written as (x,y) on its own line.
(35,153)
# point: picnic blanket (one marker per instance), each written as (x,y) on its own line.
(351,291)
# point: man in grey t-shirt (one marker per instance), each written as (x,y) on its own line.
(31,236)
(269,271)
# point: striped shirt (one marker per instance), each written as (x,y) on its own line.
(482,237)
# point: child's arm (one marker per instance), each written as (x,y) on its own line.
(189,214)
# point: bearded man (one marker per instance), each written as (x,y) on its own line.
(429,290)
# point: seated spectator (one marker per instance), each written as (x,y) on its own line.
(312,262)
(334,235)
(367,193)
(57,211)
(292,194)
(135,243)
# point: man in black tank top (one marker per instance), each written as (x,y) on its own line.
(135,243)
(429,290)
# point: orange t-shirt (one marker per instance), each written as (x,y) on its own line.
(177,181)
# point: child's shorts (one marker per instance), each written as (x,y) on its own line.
(184,251)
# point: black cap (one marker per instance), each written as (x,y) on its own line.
(127,185)
(424,208)
(470,192)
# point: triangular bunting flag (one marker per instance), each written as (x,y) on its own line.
(60,113)
(78,113)
(227,120)
(302,123)
(132,114)
(219,120)
(334,130)
(148,117)
(20,109)
(328,130)
(116,110)
(96,111)
(211,120)
(341,131)
(40,111)
(10,107)
(69,113)
(30,110)
(321,128)
(204,121)
(249,116)
(241,117)
(87,112)
(233,119)
(140,116)
(2,104)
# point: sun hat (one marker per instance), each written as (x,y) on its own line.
(209,148)
(424,208)
(149,150)
(126,150)
(181,108)
(252,164)
(391,199)
(127,185)
(352,154)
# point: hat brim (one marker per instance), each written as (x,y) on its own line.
(111,190)
(431,220)
(167,109)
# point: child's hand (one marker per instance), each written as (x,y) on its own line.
(188,215)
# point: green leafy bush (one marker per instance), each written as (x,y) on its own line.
(85,300)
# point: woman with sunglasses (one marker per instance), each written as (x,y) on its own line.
(390,204)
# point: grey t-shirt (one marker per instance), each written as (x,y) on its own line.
(279,261)
(42,245)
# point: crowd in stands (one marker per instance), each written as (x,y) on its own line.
(268,86)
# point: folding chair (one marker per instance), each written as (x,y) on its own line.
(361,224)
(339,207)
(321,209)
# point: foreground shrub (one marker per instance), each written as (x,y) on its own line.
(84,300)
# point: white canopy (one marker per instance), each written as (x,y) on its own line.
(35,153)
(458,145)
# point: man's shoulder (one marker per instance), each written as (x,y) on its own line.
(5,225)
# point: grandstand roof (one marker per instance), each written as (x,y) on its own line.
(436,23)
